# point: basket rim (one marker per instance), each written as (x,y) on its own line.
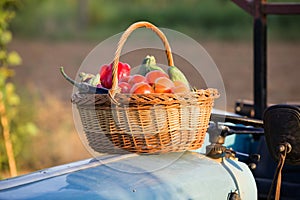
(193,97)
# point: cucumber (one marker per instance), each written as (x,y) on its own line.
(176,75)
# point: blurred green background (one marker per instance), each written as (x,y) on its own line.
(96,19)
(50,33)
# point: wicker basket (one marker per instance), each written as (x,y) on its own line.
(144,123)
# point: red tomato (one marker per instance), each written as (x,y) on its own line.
(141,88)
(125,87)
(162,89)
(180,89)
(137,78)
(125,79)
(163,85)
(179,83)
(164,81)
(153,75)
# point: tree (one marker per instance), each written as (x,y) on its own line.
(9,100)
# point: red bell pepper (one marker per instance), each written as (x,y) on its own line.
(106,73)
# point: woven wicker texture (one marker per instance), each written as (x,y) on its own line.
(144,123)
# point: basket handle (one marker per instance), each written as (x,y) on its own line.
(130,29)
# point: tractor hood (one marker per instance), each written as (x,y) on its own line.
(188,175)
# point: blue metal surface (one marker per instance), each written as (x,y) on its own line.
(168,176)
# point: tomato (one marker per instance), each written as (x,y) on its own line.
(180,89)
(164,81)
(137,78)
(141,88)
(163,85)
(162,89)
(125,87)
(153,75)
(179,83)
(125,79)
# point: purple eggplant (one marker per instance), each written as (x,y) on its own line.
(84,87)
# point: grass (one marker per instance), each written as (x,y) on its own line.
(56,140)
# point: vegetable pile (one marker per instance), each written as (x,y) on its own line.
(150,78)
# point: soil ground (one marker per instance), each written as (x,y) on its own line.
(41,60)
(58,141)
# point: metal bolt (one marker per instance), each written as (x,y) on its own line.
(281,148)
(289,147)
(252,166)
